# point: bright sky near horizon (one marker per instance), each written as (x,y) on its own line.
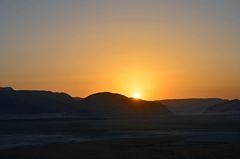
(158,48)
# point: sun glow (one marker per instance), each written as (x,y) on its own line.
(136,95)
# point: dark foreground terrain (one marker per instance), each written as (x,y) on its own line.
(138,148)
(70,137)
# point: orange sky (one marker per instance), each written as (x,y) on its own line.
(160,49)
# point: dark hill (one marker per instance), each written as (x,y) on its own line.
(25,102)
(110,103)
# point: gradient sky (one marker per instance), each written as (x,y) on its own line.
(160,48)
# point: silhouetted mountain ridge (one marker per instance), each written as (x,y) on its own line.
(37,102)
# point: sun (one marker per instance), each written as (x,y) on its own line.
(136,95)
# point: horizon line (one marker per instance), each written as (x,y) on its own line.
(186,98)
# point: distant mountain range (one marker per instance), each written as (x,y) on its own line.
(191,106)
(227,107)
(37,102)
